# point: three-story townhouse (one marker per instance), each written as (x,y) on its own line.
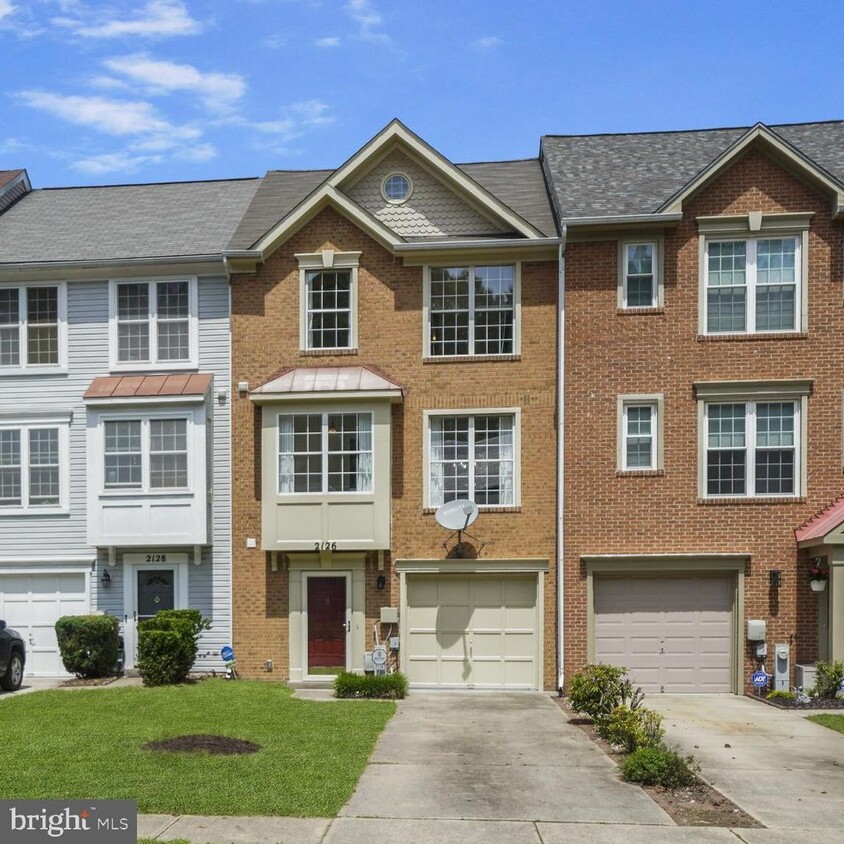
(394,349)
(703,401)
(115,407)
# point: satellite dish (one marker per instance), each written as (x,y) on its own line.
(457,514)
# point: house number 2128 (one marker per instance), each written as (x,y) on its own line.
(325,546)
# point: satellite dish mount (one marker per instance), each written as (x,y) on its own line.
(456,516)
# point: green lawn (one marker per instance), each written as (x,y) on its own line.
(834,722)
(87,744)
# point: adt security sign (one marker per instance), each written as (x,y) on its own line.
(227,653)
(759,679)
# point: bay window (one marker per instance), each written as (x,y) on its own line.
(145,454)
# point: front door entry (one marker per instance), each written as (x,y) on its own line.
(155,592)
(328,625)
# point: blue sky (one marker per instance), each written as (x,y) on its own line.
(157,90)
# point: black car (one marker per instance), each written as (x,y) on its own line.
(12,658)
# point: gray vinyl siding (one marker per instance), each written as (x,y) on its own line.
(41,540)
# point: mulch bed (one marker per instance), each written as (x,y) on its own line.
(78,682)
(814,703)
(696,805)
(218,745)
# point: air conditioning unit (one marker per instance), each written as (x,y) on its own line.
(804,676)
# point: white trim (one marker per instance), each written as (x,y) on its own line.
(116,365)
(517,312)
(306,576)
(407,196)
(656,403)
(657,289)
(145,489)
(751,286)
(181,575)
(329,261)
(393,396)
(62,424)
(144,401)
(515,412)
(750,447)
(23,367)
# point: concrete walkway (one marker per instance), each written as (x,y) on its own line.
(773,763)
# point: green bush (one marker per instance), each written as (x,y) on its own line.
(631,728)
(89,644)
(780,695)
(598,689)
(167,645)
(659,766)
(828,676)
(389,686)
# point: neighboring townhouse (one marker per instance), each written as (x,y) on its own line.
(394,348)
(115,407)
(703,400)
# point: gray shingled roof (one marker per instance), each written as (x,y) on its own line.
(518,184)
(600,175)
(280,192)
(124,221)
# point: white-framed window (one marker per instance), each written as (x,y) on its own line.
(325,453)
(639,435)
(33,466)
(146,454)
(752,285)
(472,310)
(154,323)
(329,308)
(473,455)
(752,448)
(33,328)
(640,274)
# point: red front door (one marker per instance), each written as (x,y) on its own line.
(326,625)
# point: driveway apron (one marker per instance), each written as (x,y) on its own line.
(494,756)
(784,770)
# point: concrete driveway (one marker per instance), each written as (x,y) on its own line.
(501,757)
(784,770)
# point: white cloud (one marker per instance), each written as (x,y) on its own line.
(113,117)
(368,19)
(331,41)
(276,41)
(114,162)
(295,119)
(6,8)
(487,42)
(197,154)
(156,19)
(219,91)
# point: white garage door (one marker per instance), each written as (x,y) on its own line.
(31,604)
(673,634)
(472,632)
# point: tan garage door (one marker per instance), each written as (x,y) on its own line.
(674,634)
(472,631)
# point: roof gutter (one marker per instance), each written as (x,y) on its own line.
(104,263)
(512,243)
(623,220)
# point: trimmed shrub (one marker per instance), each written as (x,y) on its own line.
(597,690)
(828,676)
(659,766)
(631,728)
(89,644)
(167,646)
(780,695)
(385,686)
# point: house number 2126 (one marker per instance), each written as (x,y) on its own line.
(325,546)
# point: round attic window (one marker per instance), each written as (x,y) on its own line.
(396,187)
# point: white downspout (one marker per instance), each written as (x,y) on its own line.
(561,450)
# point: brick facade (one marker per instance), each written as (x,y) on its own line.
(609,353)
(265,340)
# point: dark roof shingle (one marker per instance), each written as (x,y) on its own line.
(604,175)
